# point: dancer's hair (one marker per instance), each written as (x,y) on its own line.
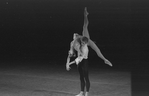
(80,42)
(85,39)
(75,35)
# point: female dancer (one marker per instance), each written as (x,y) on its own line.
(82,49)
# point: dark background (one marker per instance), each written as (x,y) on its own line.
(40,31)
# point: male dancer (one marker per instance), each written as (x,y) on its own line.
(81,60)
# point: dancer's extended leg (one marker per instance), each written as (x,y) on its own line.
(86,33)
(96,49)
(86,22)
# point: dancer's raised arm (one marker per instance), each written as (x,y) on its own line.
(71,48)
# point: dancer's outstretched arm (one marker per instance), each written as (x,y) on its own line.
(70,54)
(86,22)
(69,63)
(77,61)
(97,50)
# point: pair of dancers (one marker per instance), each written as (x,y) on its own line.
(80,44)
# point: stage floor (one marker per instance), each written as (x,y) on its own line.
(59,82)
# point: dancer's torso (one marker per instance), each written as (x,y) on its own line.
(83,51)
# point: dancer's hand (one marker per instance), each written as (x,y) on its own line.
(67,67)
(74,55)
(108,62)
(69,54)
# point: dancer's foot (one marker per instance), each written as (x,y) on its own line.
(81,94)
(86,94)
(85,11)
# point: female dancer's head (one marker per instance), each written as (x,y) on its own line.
(75,35)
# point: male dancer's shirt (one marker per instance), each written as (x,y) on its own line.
(82,55)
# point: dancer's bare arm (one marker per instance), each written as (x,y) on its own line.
(71,48)
(77,61)
(71,51)
(72,62)
(67,63)
(70,54)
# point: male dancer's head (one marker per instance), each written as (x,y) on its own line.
(84,40)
